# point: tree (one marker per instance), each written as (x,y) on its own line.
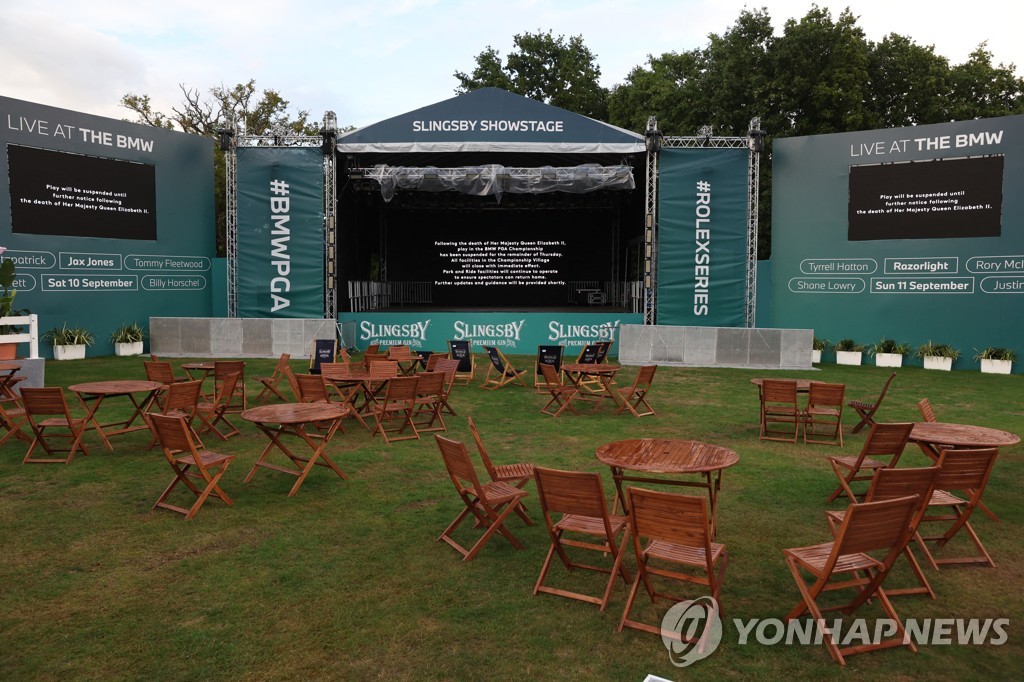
(237,108)
(907,83)
(545,68)
(980,90)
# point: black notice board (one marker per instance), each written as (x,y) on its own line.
(549,355)
(460,350)
(324,350)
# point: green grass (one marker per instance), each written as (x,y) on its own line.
(346,581)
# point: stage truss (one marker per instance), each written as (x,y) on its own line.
(280,137)
(753,141)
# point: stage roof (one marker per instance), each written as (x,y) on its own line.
(491,120)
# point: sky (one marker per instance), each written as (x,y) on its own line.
(368,61)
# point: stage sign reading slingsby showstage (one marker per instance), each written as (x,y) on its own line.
(280,232)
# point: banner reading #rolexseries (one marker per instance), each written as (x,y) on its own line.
(702,237)
(280,232)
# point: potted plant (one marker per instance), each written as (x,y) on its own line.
(69,343)
(996,360)
(937,355)
(848,352)
(128,338)
(889,353)
(817,347)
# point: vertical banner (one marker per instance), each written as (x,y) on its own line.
(702,238)
(280,232)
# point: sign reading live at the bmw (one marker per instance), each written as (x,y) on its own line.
(914,234)
(101,219)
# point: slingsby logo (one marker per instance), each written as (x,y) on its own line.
(412,331)
(698,624)
(509,331)
(576,334)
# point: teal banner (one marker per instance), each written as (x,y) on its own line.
(913,234)
(280,232)
(702,237)
(514,333)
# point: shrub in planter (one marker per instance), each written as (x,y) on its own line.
(996,360)
(818,346)
(69,343)
(937,355)
(889,353)
(128,338)
(848,352)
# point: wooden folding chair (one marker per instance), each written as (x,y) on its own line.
(517,474)
(779,406)
(924,406)
(501,372)
(212,414)
(866,410)
(47,414)
(490,503)
(427,409)
(271,384)
(677,530)
(450,370)
(884,441)
(634,398)
(824,411)
(967,470)
(885,527)
(237,401)
(561,394)
(393,413)
(579,498)
(192,463)
(888,484)
(181,399)
(313,389)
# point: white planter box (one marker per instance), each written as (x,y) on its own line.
(134,348)
(815,356)
(76,352)
(996,366)
(935,362)
(848,357)
(888,360)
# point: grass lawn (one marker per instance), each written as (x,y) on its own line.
(345,580)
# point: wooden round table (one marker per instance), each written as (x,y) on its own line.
(671,457)
(96,392)
(279,419)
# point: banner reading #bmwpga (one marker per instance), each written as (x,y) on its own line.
(515,333)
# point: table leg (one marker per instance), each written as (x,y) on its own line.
(90,416)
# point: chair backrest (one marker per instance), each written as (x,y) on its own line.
(175,435)
(965,469)
(589,354)
(571,492)
(821,393)
(891,482)
(335,370)
(222,368)
(459,465)
(383,369)
(373,348)
(44,401)
(552,379)
(282,362)
(430,384)
(312,388)
(884,389)
(225,391)
(549,355)
(344,357)
(675,518)
(873,526)
(484,457)
(779,391)
(432,361)
(293,383)
(925,407)
(400,352)
(183,396)
(886,439)
(159,371)
(449,367)
(644,377)
(401,388)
